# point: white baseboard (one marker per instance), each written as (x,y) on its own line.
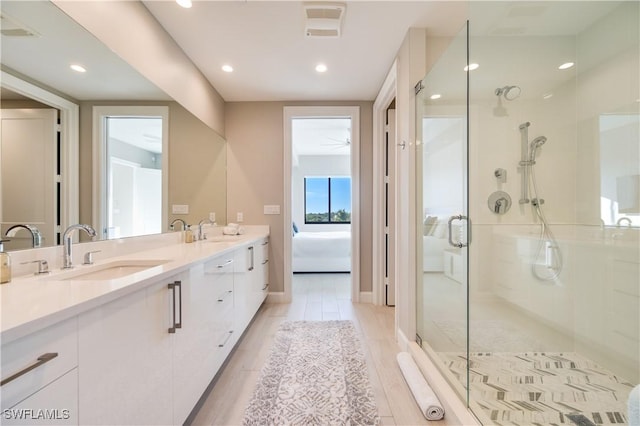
(276,297)
(403,342)
(366,297)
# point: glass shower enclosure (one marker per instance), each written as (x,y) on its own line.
(528,201)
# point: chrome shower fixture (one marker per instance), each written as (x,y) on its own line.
(508,92)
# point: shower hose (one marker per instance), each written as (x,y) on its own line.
(547,262)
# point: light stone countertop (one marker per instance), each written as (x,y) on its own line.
(30,303)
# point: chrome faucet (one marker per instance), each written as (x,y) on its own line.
(67,262)
(619,222)
(184,224)
(36,237)
(202,236)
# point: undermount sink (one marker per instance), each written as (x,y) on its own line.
(108,271)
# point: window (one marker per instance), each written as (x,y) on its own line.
(327,200)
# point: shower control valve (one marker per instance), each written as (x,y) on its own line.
(537,202)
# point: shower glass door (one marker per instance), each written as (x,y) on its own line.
(441,200)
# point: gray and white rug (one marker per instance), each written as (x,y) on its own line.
(316,374)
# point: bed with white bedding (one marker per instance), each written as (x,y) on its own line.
(434,243)
(322,251)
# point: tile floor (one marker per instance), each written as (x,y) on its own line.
(315,297)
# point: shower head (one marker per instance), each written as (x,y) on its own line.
(538,142)
(508,92)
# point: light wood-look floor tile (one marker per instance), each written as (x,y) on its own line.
(315,297)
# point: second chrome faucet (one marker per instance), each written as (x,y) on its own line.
(67,262)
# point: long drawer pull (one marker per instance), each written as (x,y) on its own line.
(252,260)
(265,262)
(176,324)
(228,262)
(226,294)
(42,359)
(221,345)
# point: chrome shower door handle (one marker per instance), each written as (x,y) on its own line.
(450,227)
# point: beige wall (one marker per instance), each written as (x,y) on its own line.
(197,159)
(255,133)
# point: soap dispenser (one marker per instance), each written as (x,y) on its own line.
(5,264)
(188,235)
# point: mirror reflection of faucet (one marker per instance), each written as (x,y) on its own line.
(184,224)
(623,219)
(36,237)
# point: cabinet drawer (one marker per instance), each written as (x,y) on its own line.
(19,356)
(55,404)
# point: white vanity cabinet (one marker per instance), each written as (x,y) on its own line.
(125,358)
(142,355)
(251,280)
(39,374)
(207,335)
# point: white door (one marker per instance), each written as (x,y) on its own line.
(28,171)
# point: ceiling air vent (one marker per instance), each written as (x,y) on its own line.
(11,28)
(323,19)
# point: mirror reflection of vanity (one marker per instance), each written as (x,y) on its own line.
(39,43)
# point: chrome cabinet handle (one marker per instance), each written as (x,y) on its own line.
(252,265)
(266,286)
(265,261)
(225,295)
(450,227)
(265,243)
(228,262)
(220,345)
(176,324)
(42,359)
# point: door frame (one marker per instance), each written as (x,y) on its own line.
(291,112)
(69,143)
(386,95)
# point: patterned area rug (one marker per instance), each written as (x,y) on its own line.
(315,375)
(542,388)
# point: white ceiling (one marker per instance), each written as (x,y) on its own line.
(321,136)
(273,59)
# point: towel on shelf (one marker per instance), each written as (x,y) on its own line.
(633,407)
(425,397)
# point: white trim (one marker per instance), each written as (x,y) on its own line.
(386,95)
(98,184)
(69,131)
(353,112)
(366,297)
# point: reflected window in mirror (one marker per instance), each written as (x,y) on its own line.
(131,147)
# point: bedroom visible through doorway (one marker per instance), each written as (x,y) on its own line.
(323,206)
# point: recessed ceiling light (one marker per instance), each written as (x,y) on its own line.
(321,68)
(547,95)
(227,68)
(184,3)
(78,68)
(566,65)
(471,67)
(436,96)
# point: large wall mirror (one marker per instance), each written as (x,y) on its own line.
(47,152)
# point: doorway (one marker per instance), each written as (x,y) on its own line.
(321,204)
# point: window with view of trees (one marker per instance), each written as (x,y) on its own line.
(327,200)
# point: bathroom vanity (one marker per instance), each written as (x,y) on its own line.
(132,339)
